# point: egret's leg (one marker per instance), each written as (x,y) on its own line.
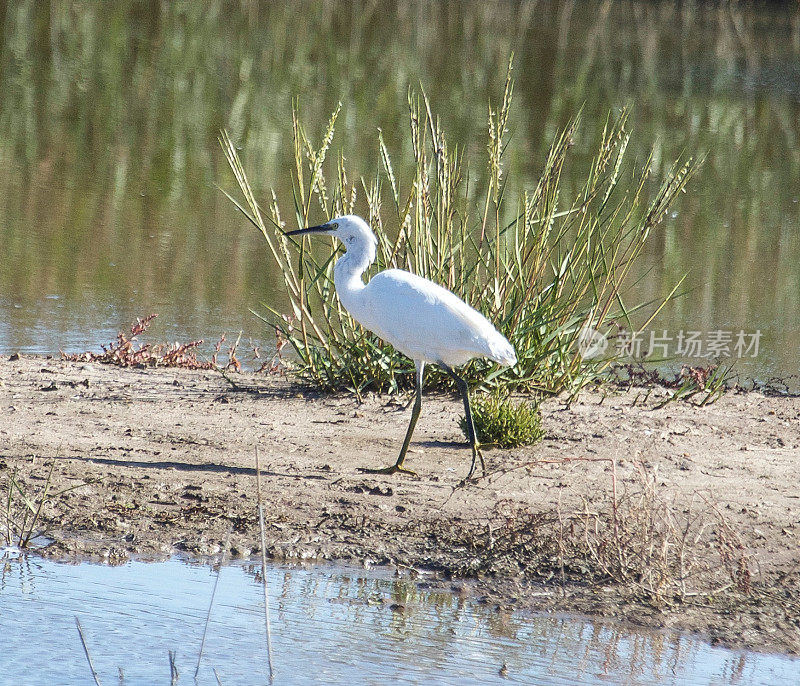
(473,439)
(398,466)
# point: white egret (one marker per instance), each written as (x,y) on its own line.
(418,317)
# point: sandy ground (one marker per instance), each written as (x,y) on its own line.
(169,459)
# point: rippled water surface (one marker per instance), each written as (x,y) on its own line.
(110,113)
(330,625)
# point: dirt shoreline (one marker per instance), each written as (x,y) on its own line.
(168,455)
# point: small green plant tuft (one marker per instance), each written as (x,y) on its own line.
(504,423)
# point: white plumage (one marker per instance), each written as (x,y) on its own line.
(419,318)
(427,322)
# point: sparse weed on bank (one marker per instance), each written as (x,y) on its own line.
(127,351)
(541,266)
(24,507)
(642,538)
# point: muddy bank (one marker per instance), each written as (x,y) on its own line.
(167,462)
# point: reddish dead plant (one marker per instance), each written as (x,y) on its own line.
(126,351)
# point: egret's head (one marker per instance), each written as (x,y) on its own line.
(351,230)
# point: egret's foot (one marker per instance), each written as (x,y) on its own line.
(394,469)
(476,455)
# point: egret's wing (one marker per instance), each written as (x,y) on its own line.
(425,321)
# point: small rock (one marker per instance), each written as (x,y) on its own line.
(377,490)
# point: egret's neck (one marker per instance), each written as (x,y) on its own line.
(347,275)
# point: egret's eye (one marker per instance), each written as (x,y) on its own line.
(335,225)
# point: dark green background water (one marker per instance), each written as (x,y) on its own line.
(109,116)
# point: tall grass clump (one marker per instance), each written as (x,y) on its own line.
(542,266)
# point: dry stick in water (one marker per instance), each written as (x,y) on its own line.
(86,650)
(211,604)
(264,563)
(173,669)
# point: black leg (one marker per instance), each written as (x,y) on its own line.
(473,439)
(398,466)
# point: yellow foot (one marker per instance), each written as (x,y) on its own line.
(476,455)
(394,469)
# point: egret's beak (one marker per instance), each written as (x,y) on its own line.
(322,228)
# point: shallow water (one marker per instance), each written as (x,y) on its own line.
(110,114)
(330,625)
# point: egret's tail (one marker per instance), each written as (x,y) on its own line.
(501,351)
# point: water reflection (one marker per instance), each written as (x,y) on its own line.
(110,113)
(330,625)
